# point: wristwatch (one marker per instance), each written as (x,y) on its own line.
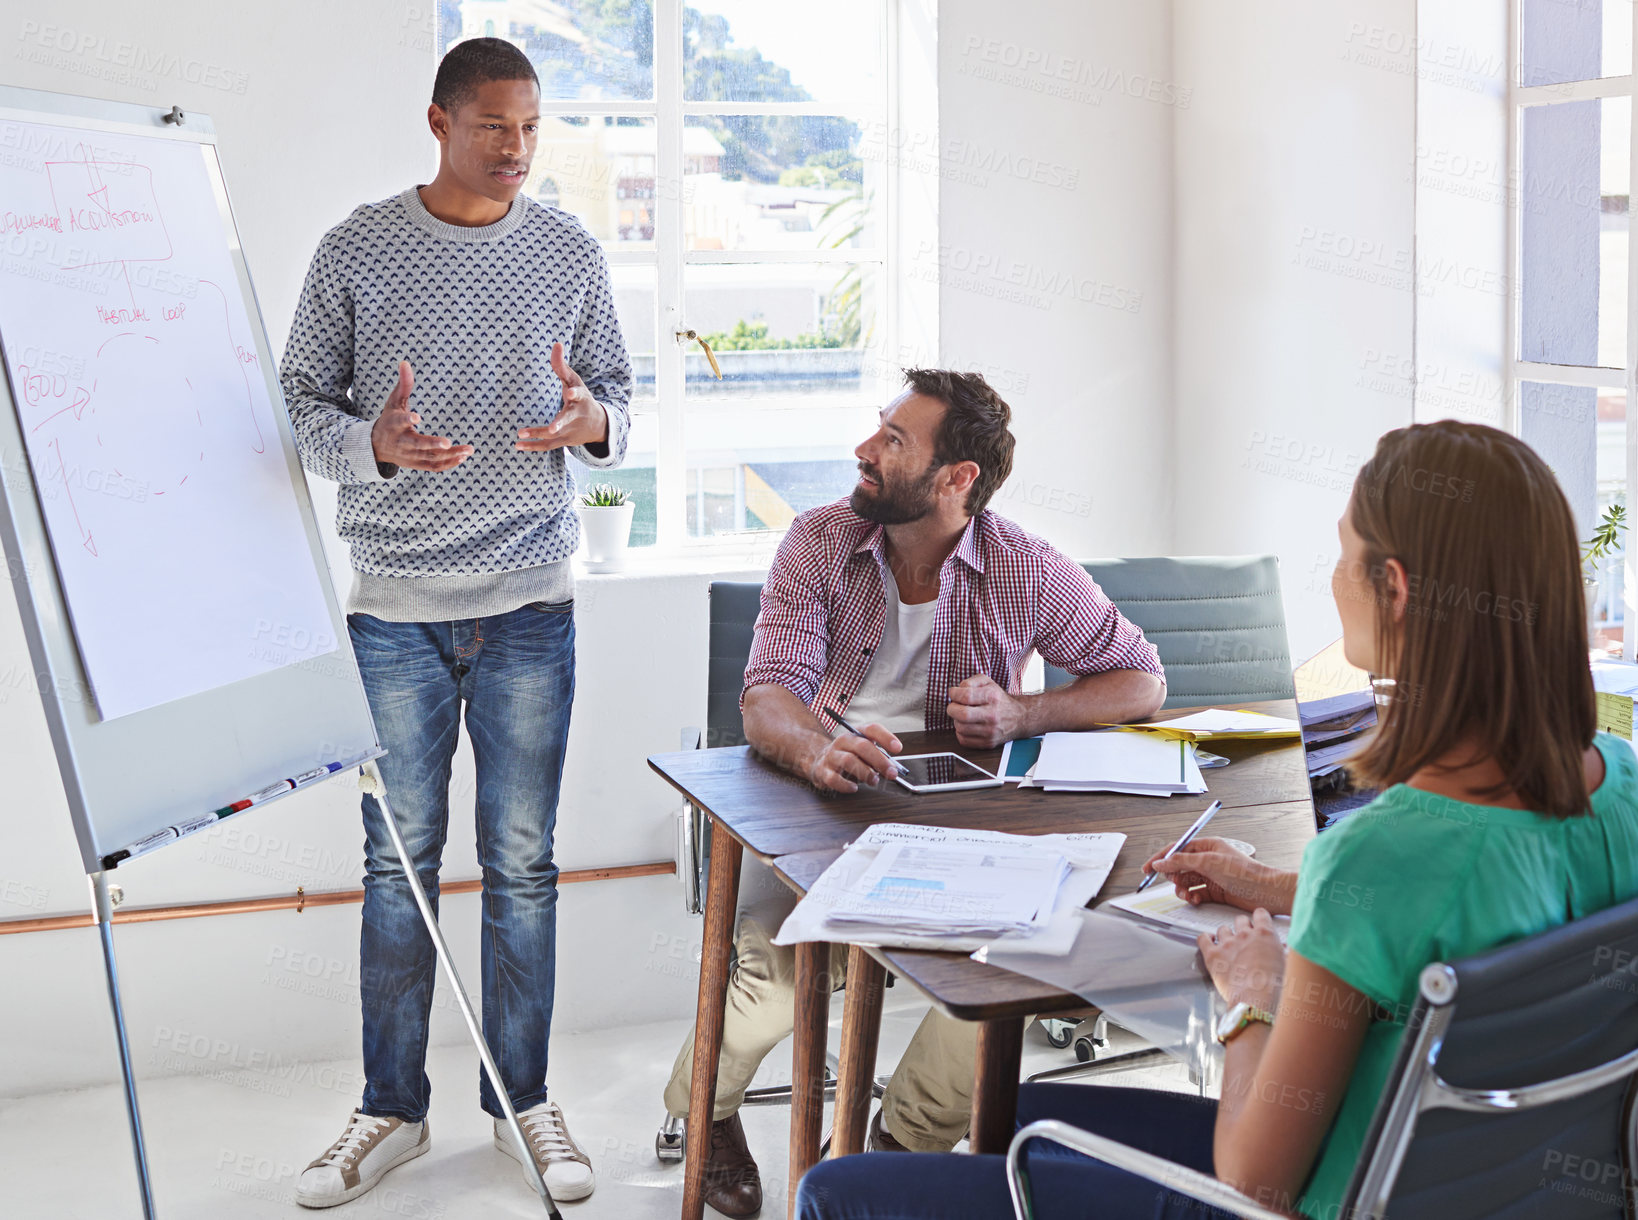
(1238,1017)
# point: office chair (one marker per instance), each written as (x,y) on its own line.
(1217,622)
(1515,1076)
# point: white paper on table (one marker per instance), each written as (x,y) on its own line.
(1221,720)
(1111,756)
(1160,904)
(1195,780)
(955,887)
(1615,677)
(1091,858)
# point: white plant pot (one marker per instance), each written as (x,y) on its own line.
(605,534)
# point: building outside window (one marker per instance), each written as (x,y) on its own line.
(729,159)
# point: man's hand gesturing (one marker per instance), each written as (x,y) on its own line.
(581,421)
(396,441)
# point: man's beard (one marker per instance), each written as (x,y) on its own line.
(896,504)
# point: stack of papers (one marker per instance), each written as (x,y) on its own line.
(955,889)
(1223,724)
(1335,729)
(1141,764)
(862,899)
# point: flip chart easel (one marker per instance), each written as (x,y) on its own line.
(183,632)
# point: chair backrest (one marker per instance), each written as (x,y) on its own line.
(1217,622)
(734,607)
(1511,1093)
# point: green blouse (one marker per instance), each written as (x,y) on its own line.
(1415,878)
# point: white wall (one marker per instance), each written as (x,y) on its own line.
(309,127)
(1056,263)
(1294,249)
(1077,143)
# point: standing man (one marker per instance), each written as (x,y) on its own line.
(910,605)
(451,344)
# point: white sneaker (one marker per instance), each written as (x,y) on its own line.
(356,1162)
(567,1170)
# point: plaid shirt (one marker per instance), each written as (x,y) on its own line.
(1002,594)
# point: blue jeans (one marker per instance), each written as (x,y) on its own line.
(1064,1185)
(515,673)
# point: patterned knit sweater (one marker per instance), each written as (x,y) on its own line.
(475,311)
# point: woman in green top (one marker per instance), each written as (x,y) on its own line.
(1502,814)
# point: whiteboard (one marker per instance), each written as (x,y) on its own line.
(149,431)
(187,643)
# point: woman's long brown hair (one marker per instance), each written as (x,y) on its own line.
(1491,655)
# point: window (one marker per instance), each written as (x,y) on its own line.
(728,157)
(1572,349)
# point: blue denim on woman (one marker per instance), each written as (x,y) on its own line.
(1064,1185)
(515,673)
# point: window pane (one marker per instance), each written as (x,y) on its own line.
(601,169)
(635,303)
(752,466)
(757,51)
(1567,40)
(778,182)
(1573,233)
(1610,568)
(602,50)
(782,328)
(765,442)
(1581,432)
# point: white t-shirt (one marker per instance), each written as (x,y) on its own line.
(894,693)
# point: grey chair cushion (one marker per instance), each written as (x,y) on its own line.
(1217,622)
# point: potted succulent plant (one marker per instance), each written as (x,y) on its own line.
(1605,538)
(605,524)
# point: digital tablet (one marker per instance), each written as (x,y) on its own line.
(943,773)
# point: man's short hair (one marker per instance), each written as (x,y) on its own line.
(974,428)
(477,61)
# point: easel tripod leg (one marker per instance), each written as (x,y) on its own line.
(103,911)
(372,783)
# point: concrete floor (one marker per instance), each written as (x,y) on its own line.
(232,1143)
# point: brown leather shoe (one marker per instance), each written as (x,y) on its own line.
(733,1185)
(881,1139)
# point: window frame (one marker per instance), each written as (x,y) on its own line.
(1521,97)
(670,260)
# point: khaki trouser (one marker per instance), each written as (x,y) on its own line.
(929,1102)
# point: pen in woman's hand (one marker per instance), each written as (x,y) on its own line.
(1199,825)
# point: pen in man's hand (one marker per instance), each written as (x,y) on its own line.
(900,767)
(1199,825)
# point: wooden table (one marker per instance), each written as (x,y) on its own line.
(784,821)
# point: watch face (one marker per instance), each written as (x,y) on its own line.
(1238,1017)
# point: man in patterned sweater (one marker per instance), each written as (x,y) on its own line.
(907,606)
(451,345)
